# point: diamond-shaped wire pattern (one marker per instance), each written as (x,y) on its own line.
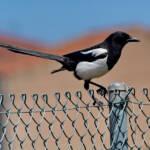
(70,121)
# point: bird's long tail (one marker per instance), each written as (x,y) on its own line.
(33,53)
(57,58)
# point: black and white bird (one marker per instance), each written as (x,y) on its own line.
(88,63)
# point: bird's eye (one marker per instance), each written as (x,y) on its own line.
(121,39)
(118,39)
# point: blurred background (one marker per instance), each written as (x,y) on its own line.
(61,27)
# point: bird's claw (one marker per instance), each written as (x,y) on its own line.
(99,103)
(96,101)
(102,91)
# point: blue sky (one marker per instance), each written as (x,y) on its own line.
(52,21)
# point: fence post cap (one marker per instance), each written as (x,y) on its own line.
(117,86)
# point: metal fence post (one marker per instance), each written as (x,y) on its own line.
(118,118)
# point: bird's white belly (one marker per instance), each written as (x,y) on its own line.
(89,70)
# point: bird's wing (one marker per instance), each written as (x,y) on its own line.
(88,55)
(32,52)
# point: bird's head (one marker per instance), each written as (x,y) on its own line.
(119,39)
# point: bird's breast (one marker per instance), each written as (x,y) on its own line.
(89,70)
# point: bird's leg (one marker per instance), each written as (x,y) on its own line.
(86,86)
(102,90)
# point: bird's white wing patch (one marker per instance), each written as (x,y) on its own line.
(95,52)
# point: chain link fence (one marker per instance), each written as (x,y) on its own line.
(71,121)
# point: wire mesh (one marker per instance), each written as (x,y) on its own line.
(70,121)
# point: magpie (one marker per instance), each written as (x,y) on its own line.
(88,63)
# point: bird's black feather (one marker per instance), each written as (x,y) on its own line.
(79,56)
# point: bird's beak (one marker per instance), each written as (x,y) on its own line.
(133,39)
